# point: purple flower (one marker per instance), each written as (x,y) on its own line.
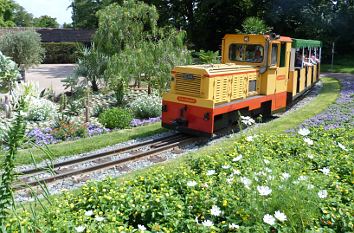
(139,122)
(41,137)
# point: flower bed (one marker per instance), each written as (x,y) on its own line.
(266,183)
(339,114)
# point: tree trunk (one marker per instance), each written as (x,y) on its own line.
(149,89)
(94,86)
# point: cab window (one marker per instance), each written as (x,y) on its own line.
(246,53)
(274,58)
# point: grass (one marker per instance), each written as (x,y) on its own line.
(86,144)
(342,64)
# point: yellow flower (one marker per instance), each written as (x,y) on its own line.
(224,203)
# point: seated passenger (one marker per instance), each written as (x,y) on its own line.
(298,61)
(258,55)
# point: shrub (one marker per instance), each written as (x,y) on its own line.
(115,118)
(23,47)
(41,109)
(146,106)
(64,128)
(60,52)
(8,73)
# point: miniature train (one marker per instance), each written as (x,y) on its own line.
(259,74)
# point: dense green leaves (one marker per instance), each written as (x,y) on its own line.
(45,21)
(23,47)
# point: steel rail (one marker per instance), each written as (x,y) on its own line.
(105,165)
(96,156)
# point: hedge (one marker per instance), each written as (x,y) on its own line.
(60,52)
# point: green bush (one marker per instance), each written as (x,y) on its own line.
(61,52)
(115,118)
(23,47)
(146,106)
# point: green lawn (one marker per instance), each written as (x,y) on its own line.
(342,64)
(87,144)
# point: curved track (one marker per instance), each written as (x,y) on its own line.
(101,161)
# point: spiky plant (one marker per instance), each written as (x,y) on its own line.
(13,139)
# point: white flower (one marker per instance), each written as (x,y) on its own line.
(310,156)
(230,180)
(99,219)
(268,170)
(236,172)
(322,194)
(303,132)
(302,178)
(205,185)
(308,141)
(238,158)
(285,176)
(266,161)
(215,210)
(310,186)
(191,183)
(325,170)
(196,220)
(207,223)
(269,219)
(80,229)
(141,227)
(264,190)
(249,138)
(247,120)
(233,226)
(89,213)
(342,146)
(210,172)
(270,177)
(246,182)
(226,166)
(280,216)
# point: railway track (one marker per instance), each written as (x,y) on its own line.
(100,161)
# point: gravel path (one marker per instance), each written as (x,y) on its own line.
(78,181)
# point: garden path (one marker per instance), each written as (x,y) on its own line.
(50,75)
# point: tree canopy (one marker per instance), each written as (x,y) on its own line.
(207,21)
(45,21)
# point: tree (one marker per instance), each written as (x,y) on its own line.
(45,21)
(254,25)
(91,65)
(23,47)
(21,17)
(126,25)
(6,13)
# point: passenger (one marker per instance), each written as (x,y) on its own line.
(258,55)
(298,61)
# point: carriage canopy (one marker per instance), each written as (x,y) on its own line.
(300,43)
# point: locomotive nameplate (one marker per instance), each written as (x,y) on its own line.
(188,76)
(186,99)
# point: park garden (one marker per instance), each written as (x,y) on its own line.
(292,174)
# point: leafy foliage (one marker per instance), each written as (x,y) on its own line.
(13,139)
(115,118)
(61,52)
(6,13)
(91,65)
(41,109)
(8,73)
(45,21)
(208,57)
(146,106)
(23,47)
(254,25)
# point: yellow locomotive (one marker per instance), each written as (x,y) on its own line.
(258,74)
